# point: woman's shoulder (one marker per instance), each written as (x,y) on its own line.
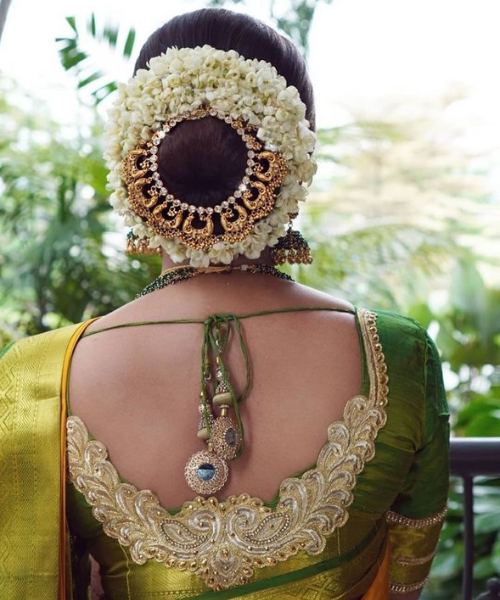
(410,354)
(398,330)
(396,322)
(37,346)
(395,327)
(391,323)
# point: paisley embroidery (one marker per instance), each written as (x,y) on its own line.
(222,542)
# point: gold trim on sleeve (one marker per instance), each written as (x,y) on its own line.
(222,542)
(409,561)
(397,519)
(398,588)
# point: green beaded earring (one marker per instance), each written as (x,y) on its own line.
(292,248)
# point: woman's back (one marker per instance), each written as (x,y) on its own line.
(325,431)
(137,388)
(380,474)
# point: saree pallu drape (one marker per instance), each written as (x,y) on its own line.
(32,471)
(39,558)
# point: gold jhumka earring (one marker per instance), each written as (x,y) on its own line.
(138,245)
(292,248)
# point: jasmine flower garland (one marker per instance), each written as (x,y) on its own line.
(186,79)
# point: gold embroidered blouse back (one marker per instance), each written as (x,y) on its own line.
(327,530)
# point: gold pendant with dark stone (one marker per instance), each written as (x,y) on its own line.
(206,473)
(226,438)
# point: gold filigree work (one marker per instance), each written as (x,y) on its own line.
(222,542)
(206,460)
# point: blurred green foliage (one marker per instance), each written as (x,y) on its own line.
(54,215)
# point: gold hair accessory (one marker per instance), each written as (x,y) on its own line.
(138,245)
(292,248)
(170,217)
(273,119)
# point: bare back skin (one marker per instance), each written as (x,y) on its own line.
(137,389)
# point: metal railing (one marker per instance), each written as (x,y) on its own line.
(471,457)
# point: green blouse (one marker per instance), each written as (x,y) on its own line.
(378,489)
(385,474)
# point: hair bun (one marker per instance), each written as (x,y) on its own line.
(202,161)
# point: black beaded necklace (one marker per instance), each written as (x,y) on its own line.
(185,272)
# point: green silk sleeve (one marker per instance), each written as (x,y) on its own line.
(417,514)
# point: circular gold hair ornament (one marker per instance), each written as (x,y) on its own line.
(236,215)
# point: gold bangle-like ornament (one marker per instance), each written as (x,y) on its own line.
(170,217)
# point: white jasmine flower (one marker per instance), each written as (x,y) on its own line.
(185,79)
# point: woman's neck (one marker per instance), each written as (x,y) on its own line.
(264,259)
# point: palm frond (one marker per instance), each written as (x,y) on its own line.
(82,62)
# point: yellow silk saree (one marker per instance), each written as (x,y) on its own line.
(386,542)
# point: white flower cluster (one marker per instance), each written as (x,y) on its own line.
(186,79)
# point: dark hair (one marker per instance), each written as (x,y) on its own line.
(205,160)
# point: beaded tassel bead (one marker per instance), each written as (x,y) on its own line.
(222,397)
(202,427)
(226,437)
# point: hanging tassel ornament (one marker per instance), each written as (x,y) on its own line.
(292,248)
(207,471)
(226,439)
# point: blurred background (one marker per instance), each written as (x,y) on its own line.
(404,213)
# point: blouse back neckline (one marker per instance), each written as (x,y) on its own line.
(366,378)
(309,507)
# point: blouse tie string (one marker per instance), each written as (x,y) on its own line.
(216,335)
(207,471)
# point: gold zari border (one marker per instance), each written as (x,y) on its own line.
(409,561)
(397,519)
(222,542)
(398,588)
